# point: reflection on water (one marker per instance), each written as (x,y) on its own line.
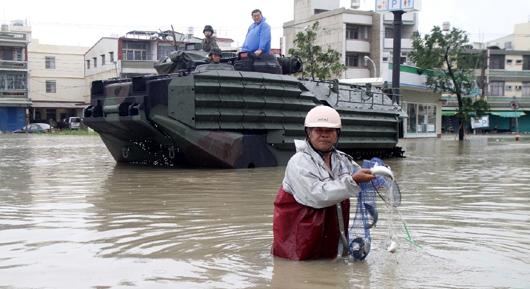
(69,215)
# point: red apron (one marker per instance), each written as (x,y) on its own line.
(304,233)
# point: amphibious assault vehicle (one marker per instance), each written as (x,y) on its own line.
(244,112)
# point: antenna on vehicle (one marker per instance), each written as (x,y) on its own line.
(174,38)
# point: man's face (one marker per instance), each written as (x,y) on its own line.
(215,58)
(256,16)
(322,138)
(207,33)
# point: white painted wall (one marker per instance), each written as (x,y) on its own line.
(68,72)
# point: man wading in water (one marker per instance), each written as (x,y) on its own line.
(318,184)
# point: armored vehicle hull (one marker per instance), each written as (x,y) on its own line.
(232,119)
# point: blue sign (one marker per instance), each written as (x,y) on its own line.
(384,6)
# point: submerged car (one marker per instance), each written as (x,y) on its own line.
(35,128)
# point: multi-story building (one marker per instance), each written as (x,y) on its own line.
(14,97)
(365,36)
(503,80)
(135,54)
(57,82)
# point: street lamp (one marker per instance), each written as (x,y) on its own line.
(373,63)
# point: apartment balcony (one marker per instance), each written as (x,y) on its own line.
(13,39)
(13,94)
(358,72)
(353,45)
(405,43)
(13,65)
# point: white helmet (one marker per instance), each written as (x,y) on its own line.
(323,116)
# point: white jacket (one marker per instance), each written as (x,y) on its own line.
(309,180)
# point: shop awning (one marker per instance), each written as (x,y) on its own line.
(507,113)
(15,102)
(58,105)
(448,112)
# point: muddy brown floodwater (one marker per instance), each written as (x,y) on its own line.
(70,217)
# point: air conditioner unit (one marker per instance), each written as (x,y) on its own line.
(518,87)
(509,87)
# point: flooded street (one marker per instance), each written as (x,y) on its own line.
(70,217)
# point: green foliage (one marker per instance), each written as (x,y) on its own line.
(75,132)
(318,63)
(444,53)
(472,109)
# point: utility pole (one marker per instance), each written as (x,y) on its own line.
(396,56)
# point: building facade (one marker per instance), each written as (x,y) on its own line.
(57,82)
(365,40)
(135,54)
(14,96)
(503,81)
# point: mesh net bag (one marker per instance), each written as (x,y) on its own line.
(366,214)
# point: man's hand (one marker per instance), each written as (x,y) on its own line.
(362,176)
(258,52)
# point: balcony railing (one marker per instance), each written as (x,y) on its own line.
(8,64)
(12,36)
(354,45)
(13,93)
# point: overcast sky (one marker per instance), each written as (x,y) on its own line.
(84,23)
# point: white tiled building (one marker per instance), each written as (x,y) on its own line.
(57,81)
(358,34)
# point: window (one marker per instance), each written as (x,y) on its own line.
(7,53)
(88,64)
(496,88)
(317,11)
(18,54)
(95,59)
(51,86)
(509,61)
(412,125)
(111,56)
(133,50)
(356,32)
(352,60)
(422,118)
(525,89)
(389,32)
(526,62)
(164,50)
(102,59)
(13,81)
(50,62)
(497,61)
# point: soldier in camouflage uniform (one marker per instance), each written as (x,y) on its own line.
(215,55)
(208,43)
